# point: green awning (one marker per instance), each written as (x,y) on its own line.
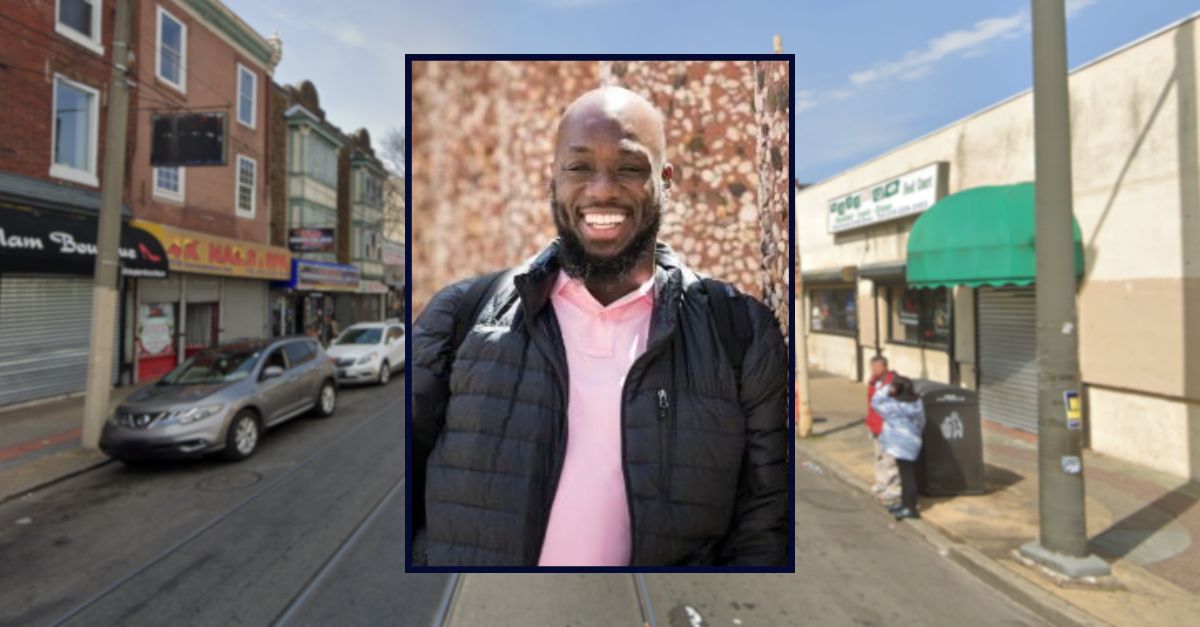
(979,236)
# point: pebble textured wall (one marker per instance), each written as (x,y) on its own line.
(482,142)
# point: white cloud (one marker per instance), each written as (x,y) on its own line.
(805,100)
(1075,6)
(917,63)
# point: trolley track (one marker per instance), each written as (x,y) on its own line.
(274,486)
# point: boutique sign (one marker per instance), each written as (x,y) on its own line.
(61,243)
(904,195)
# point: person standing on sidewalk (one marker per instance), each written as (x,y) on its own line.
(903,422)
(887,477)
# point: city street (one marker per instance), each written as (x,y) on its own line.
(309,532)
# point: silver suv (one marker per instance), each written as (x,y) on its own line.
(223,399)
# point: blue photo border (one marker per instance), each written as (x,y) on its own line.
(791,61)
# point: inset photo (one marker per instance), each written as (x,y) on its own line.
(599,365)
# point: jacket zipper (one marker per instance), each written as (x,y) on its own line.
(664,431)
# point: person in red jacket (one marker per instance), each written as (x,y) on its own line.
(887,474)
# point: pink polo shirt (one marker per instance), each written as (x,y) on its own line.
(589,521)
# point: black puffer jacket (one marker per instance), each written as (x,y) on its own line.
(706,476)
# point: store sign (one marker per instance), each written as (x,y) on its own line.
(61,243)
(308,240)
(905,195)
(372,287)
(192,251)
(317,275)
(393,253)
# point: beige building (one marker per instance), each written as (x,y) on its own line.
(946,209)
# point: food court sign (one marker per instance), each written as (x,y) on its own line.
(193,251)
(905,195)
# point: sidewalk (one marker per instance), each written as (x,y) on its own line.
(40,444)
(1144,523)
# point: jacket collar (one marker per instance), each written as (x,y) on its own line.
(534,282)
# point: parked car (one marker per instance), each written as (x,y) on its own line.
(222,400)
(369,351)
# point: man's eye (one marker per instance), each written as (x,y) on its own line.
(578,167)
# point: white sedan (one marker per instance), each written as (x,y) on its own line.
(368,352)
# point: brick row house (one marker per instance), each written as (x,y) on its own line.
(203,249)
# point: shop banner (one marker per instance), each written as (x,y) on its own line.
(319,275)
(393,254)
(33,240)
(307,240)
(905,195)
(372,287)
(193,251)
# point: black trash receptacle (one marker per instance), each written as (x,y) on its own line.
(951,460)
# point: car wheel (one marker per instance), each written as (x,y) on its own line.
(242,438)
(385,372)
(327,401)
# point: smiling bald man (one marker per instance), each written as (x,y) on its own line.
(600,404)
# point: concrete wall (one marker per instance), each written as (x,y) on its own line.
(1137,200)
(482,140)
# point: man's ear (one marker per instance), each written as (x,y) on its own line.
(668,175)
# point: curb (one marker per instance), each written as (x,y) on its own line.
(1012,585)
(51,480)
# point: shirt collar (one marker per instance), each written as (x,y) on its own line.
(576,291)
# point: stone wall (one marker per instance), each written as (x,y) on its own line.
(482,146)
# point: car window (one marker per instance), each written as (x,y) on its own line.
(276,358)
(213,366)
(298,352)
(360,335)
(395,333)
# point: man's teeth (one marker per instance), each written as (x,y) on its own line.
(604,221)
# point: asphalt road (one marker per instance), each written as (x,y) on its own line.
(310,532)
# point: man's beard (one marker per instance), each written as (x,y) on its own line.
(578,263)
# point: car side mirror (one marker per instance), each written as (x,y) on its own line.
(272,372)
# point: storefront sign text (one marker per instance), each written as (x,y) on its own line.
(905,195)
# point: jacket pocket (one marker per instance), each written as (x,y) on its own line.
(666,433)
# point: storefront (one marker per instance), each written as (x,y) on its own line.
(47,261)
(217,292)
(953,303)
(393,278)
(308,298)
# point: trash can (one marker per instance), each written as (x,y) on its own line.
(951,460)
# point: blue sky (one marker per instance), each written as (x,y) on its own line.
(871,75)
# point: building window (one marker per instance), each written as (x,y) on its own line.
(172,50)
(79,21)
(247,175)
(247,95)
(372,193)
(73,136)
(320,160)
(168,183)
(920,317)
(834,310)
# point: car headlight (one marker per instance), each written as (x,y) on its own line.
(190,415)
(366,359)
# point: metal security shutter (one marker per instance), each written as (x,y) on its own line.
(45,324)
(151,291)
(244,309)
(203,289)
(1007,357)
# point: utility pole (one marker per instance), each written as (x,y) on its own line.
(1062,542)
(108,235)
(803,406)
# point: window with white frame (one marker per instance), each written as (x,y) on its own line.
(172,50)
(247,177)
(247,95)
(79,21)
(74,134)
(168,183)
